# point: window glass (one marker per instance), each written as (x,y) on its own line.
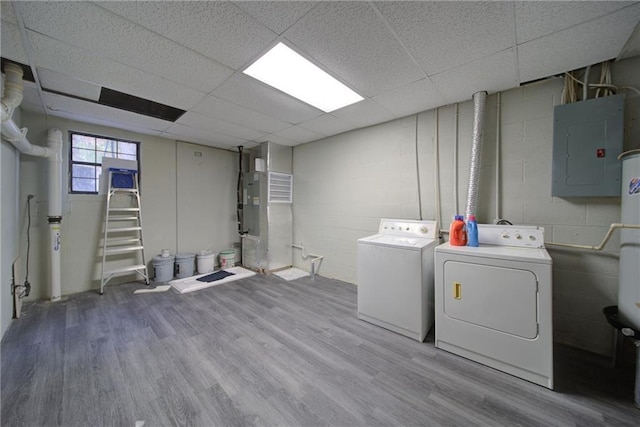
(86,154)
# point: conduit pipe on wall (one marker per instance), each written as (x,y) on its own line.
(498,126)
(479,101)
(436,160)
(606,238)
(53,152)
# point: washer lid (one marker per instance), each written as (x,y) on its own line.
(402,242)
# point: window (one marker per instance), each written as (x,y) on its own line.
(86,156)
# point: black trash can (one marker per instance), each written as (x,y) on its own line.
(625,332)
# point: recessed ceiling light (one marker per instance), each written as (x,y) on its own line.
(288,71)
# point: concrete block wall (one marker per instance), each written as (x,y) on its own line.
(346,183)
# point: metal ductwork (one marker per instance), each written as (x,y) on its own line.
(479,101)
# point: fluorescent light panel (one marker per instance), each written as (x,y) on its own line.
(286,70)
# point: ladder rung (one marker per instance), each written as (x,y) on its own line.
(115,242)
(121,229)
(122,249)
(125,269)
(124,209)
(123,190)
(123,218)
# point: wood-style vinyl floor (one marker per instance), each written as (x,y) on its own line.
(263,351)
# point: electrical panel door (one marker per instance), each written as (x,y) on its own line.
(587,139)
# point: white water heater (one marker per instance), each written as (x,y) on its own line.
(629,269)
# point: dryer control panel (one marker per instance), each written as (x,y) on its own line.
(523,236)
(410,228)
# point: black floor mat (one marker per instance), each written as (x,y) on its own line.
(215,276)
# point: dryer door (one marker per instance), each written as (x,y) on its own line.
(499,298)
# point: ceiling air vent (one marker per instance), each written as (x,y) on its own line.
(124,101)
(280,187)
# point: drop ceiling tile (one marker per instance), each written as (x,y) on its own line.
(350,41)
(11,42)
(216,29)
(581,45)
(492,74)
(252,94)
(97,30)
(278,16)
(63,83)
(107,123)
(444,35)
(535,18)
(91,68)
(7,14)
(298,134)
(364,113)
(410,99)
(202,122)
(228,111)
(83,110)
(189,134)
(327,125)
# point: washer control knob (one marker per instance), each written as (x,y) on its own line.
(532,237)
(519,237)
(505,235)
(407,228)
(424,230)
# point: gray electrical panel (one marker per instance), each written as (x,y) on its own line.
(587,139)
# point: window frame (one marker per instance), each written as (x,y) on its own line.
(95,164)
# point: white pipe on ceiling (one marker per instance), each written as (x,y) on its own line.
(12,98)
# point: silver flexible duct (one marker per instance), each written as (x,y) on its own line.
(479,100)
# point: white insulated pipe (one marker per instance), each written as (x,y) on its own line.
(54,143)
(54,239)
(18,137)
(12,97)
(479,101)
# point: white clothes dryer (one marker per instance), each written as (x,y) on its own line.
(493,303)
(395,276)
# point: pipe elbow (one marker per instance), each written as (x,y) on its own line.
(12,89)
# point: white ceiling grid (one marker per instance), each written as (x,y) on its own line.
(403,57)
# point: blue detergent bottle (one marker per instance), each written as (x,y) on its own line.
(472,231)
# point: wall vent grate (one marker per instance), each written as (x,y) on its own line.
(280,187)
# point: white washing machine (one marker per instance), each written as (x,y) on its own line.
(493,303)
(395,276)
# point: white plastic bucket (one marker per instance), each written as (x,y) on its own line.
(184,264)
(204,261)
(227,258)
(162,268)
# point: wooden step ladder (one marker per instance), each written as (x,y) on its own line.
(122,228)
